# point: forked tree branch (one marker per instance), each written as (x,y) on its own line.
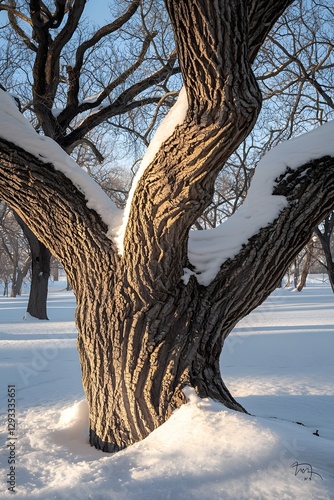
(71,112)
(46,71)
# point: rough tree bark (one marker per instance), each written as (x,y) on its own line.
(142,333)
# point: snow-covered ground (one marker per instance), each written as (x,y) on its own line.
(278,363)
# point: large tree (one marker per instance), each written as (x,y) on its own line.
(143,332)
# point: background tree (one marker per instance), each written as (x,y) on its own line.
(307,258)
(324,233)
(143,333)
(15,260)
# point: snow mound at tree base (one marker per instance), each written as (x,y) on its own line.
(203,451)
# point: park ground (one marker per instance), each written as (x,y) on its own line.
(278,363)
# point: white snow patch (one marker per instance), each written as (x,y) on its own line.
(56,111)
(209,249)
(90,99)
(74,415)
(174,117)
(27,317)
(14,127)
(278,362)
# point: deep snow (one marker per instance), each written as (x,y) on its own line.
(278,363)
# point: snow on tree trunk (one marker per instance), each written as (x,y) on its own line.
(143,334)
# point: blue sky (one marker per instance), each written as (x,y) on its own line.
(98,11)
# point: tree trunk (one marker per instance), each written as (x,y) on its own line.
(5,288)
(143,335)
(54,269)
(40,272)
(15,264)
(296,273)
(17,285)
(156,349)
(306,265)
(162,335)
(14,278)
(21,274)
(325,237)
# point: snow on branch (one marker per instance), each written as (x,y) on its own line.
(174,117)
(209,249)
(15,128)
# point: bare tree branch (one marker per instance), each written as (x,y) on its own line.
(72,99)
(12,10)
